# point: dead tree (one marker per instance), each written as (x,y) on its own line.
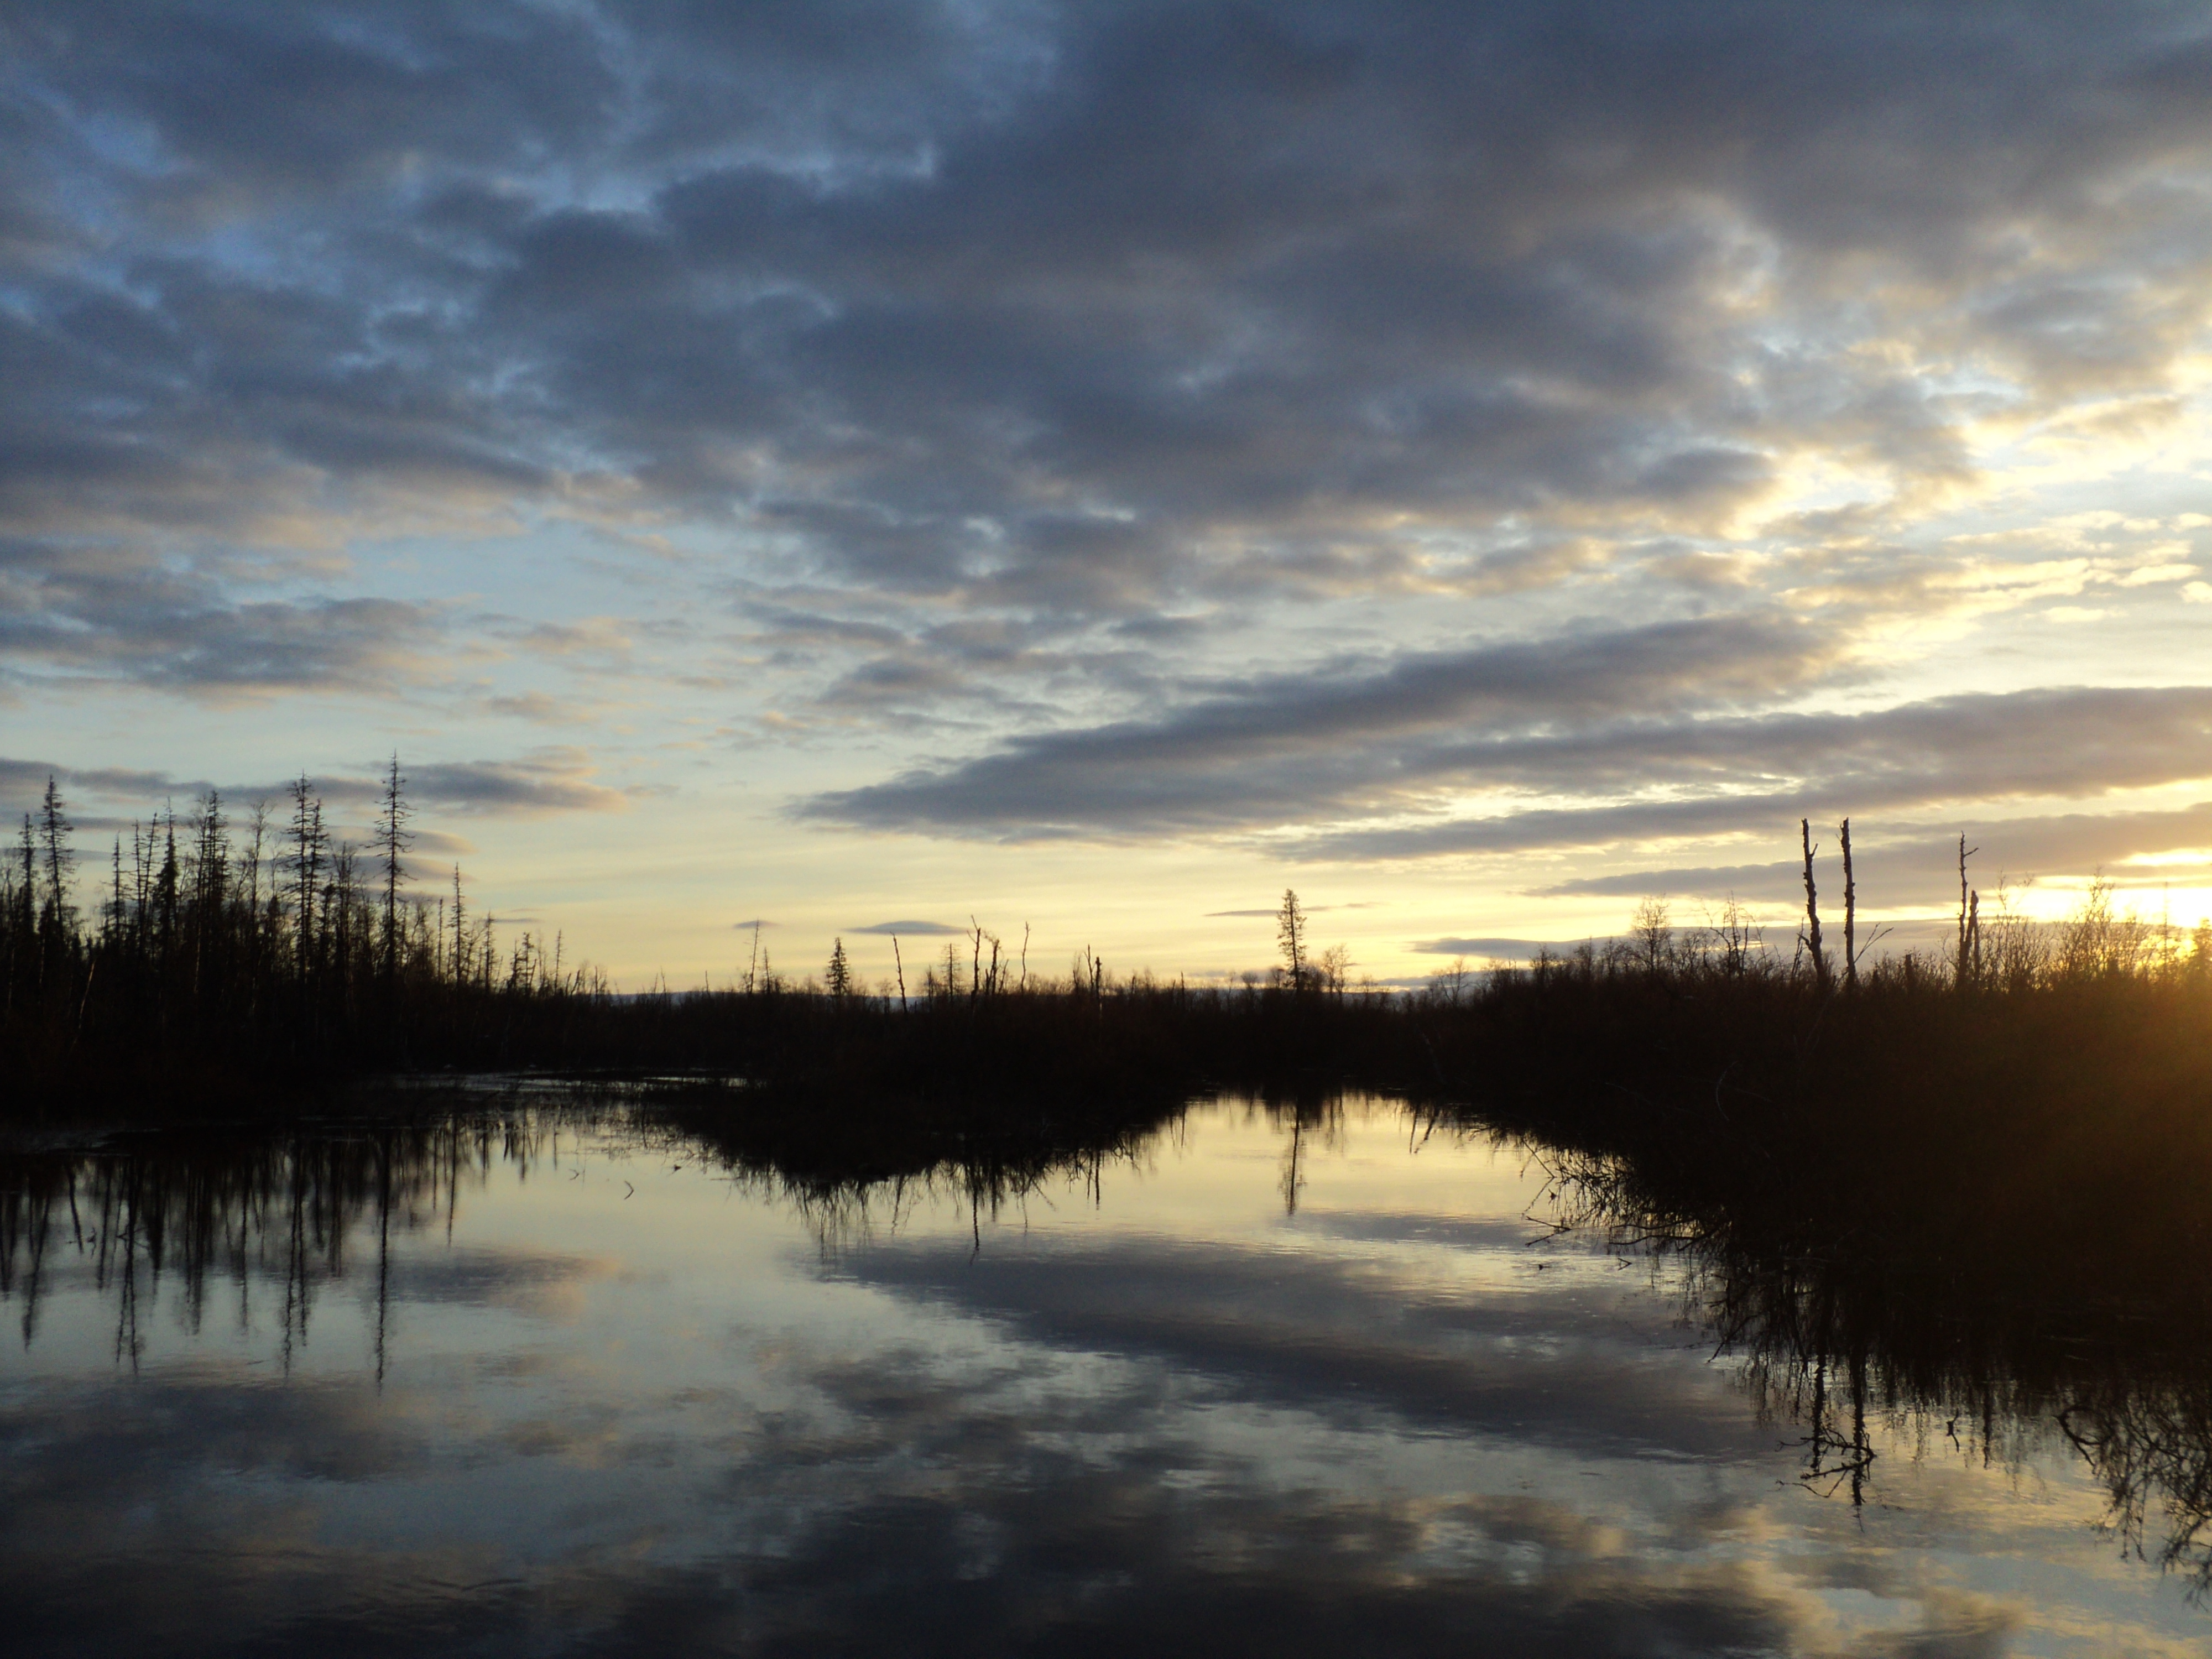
(1813,909)
(1968,920)
(1850,912)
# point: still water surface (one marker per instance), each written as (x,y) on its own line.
(572,1383)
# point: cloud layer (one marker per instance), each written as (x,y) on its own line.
(1398,432)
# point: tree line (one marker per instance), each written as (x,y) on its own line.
(218,948)
(246,943)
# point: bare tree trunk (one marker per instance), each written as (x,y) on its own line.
(1813,909)
(1850,912)
(1966,914)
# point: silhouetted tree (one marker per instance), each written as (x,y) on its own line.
(309,843)
(391,841)
(1967,920)
(1652,930)
(54,848)
(1291,936)
(1813,945)
(1851,910)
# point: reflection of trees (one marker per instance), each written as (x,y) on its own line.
(290,1208)
(2153,1447)
(1977,1353)
(241,1207)
(844,1173)
(1306,1122)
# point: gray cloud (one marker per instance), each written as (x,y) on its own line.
(112,615)
(913,929)
(1084,312)
(1507,949)
(1640,713)
(1916,864)
(1342,429)
(549,780)
(1278,747)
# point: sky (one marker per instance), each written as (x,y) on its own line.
(1088,468)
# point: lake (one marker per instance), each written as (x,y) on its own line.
(547,1377)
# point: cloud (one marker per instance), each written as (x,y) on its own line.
(106,615)
(1916,864)
(555,780)
(1305,909)
(914,929)
(1085,312)
(1641,714)
(1278,747)
(2056,742)
(1359,433)
(1506,950)
(26,779)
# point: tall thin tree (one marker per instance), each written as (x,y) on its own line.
(1813,909)
(461,932)
(27,896)
(393,840)
(1966,918)
(1851,911)
(54,829)
(308,843)
(1291,936)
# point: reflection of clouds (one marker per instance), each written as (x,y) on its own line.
(1344,1340)
(129,1442)
(938,1515)
(1363,1429)
(543,1283)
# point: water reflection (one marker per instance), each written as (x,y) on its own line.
(1965,1354)
(571,1375)
(249,1208)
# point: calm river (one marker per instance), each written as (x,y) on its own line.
(565,1383)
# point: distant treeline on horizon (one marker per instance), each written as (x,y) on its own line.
(267,945)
